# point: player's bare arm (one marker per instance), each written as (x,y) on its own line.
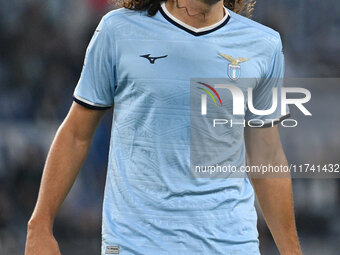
(274,194)
(64,160)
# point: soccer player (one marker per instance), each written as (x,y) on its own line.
(141,59)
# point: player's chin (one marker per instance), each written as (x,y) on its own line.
(210,2)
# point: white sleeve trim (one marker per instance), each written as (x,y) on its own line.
(89,102)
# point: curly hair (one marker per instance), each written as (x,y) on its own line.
(243,7)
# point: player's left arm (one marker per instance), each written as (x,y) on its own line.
(274,194)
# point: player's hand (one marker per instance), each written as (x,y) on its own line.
(40,241)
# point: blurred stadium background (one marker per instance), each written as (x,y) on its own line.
(42,45)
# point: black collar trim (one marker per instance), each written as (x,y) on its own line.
(189,30)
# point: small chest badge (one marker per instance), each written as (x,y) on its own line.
(234,68)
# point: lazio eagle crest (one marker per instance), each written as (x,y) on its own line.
(234,68)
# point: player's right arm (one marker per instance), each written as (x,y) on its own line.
(66,156)
(94,93)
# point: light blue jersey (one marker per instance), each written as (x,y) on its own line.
(143,65)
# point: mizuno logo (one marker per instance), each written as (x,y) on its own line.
(152,59)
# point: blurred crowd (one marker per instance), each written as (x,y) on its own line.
(42,46)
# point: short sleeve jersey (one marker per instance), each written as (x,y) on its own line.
(142,66)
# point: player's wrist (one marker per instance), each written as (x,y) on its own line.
(294,250)
(292,253)
(44,224)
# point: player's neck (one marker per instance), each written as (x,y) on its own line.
(196,13)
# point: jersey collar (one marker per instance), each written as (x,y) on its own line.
(192,30)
